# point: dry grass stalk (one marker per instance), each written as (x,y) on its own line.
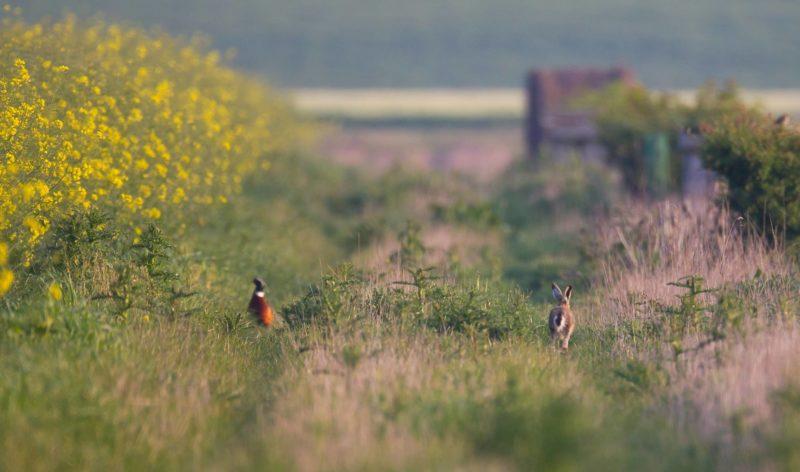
(646,248)
(723,394)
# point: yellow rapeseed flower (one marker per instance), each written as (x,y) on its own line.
(6,279)
(153,213)
(54,290)
(36,228)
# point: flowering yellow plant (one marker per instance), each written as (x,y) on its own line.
(54,290)
(144,126)
(6,276)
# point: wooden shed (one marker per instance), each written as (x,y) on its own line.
(551,123)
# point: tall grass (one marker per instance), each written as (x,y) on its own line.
(709,307)
(645,248)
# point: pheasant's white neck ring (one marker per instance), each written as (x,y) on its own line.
(260,294)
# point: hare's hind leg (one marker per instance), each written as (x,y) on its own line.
(565,340)
(554,338)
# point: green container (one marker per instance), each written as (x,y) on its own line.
(657,163)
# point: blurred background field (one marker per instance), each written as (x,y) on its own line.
(474,131)
(502,105)
(451,43)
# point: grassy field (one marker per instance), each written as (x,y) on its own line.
(452,43)
(412,329)
(389,365)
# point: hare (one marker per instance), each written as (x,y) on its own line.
(561,322)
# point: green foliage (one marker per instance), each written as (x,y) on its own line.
(630,118)
(79,237)
(690,308)
(145,278)
(329,303)
(412,248)
(783,441)
(352,208)
(640,377)
(477,307)
(529,420)
(352,355)
(713,103)
(691,315)
(712,313)
(472,306)
(478,215)
(232,323)
(154,252)
(537,202)
(138,401)
(535,193)
(101,260)
(760,161)
(538,433)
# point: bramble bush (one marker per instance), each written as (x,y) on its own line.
(626,116)
(468,304)
(760,162)
(143,126)
(121,277)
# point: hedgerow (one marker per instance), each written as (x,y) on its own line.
(760,162)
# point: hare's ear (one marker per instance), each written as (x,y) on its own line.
(568,292)
(557,293)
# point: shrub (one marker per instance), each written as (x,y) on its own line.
(760,162)
(83,251)
(472,305)
(330,302)
(412,247)
(627,117)
(476,307)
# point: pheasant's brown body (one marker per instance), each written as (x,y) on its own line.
(260,308)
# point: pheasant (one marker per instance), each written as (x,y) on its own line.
(259,307)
